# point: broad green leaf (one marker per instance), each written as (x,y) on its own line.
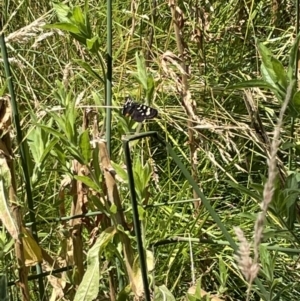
(280,73)
(64,26)
(266,76)
(273,71)
(79,37)
(150,89)
(113,209)
(63,12)
(77,16)
(141,74)
(266,57)
(32,251)
(93,44)
(89,287)
(36,143)
(85,146)
(161,293)
(96,164)
(276,89)
(87,181)
(69,130)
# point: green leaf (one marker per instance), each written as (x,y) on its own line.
(280,73)
(266,57)
(293,59)
(64,26)
(273,71)
(69,130)
(89,70)
(36,143)
(279,93)
(141,75)
(113,209)
(3,88)
(96,164)
(77,16)
(150,89)
(73,151)
(85,147)
(267,262)
(121,172)
(161,293)
(123,295)
(58,153)
(223,272)
(47,150)
(98,204)
(89,287)
(63,12)
(88,182)
(296,99)
(255,83)
(93,44)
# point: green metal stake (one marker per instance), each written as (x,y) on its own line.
(109,76)
(136,220)
(194,185)
(109,104)
(22,149)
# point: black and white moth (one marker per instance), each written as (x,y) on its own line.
(138,112)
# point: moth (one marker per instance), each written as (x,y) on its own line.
(138,112)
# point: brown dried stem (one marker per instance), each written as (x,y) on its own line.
(189,106)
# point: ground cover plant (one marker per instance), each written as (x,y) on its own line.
(223,79)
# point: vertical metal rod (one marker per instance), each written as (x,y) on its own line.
(22,149)
(108,101)
(109,76)
(194,185)
(136,221)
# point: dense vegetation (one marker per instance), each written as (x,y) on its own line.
(219,75)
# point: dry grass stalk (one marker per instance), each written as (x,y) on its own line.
(248,266)
(183,84)
(272,172)
(26,33)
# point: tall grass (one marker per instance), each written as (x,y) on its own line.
(224,140)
